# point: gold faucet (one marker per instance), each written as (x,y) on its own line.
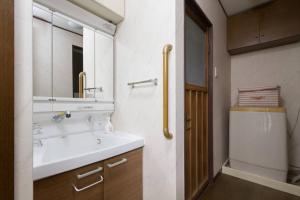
(82,84)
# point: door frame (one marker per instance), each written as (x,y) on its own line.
(198,15)
(7,99)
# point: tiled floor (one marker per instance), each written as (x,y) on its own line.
(231,188)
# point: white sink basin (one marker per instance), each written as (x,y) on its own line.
(61,154)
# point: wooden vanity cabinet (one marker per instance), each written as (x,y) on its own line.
(123,177)
(272,24)
(56,187)
(114,179)
(62,186)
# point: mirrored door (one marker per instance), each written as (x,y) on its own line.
(71,59)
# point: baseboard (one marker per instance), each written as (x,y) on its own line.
(277,185)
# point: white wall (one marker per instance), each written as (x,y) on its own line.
(275,66)
(180,96)
(139,41)
(23,100)
(221,84)
(140,38)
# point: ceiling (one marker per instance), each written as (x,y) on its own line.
(235,6)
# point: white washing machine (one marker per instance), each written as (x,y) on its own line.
(258,141)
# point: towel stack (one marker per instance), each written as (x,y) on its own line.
(259,96)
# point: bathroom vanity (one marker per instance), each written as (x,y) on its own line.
(72,61)
(116,178)
(89,166)
(75,156)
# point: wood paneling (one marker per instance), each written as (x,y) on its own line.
(196,141)
(272,24)
(7,99)
(124,181)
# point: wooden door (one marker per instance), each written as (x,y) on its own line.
(123,177)
(56,187)
(196,106)
(196,140)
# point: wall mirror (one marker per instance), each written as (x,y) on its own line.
(70,60)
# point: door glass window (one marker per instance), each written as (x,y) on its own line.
(195,54)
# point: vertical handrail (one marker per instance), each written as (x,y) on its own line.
(166,52)
(82,79)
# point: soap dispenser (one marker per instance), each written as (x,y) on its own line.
(109,127)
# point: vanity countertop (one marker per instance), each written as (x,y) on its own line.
(60,154)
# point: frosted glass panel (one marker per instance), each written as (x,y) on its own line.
(194,53)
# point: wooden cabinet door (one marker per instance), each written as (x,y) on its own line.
(243,30)
(56,187)
(123,177)
(88,182)
(280,19)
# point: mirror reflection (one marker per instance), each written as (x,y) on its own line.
(67,57)
(42,52)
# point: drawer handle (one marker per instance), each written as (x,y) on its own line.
(80,176)
(89,186)
(124,160)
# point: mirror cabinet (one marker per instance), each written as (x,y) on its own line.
(72,62)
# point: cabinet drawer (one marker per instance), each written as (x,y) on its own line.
(123,177)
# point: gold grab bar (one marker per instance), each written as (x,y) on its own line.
(166,51)
(82,80)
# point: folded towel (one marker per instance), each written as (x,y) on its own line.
(261,88)
(259,96)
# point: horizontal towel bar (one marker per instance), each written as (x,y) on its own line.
(154,81)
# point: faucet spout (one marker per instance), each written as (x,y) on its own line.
(61,115)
